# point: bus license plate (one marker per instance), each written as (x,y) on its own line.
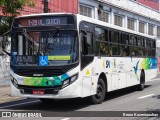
(38,92)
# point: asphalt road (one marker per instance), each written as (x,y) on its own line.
(126,100)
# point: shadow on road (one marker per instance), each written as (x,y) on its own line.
(156,96)
(122,92)
(62,105)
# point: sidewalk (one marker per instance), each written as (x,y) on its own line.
(5,95)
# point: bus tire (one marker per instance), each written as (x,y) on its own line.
(46,101)
(142,81)
(100,94)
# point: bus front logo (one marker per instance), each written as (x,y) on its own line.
(107,64)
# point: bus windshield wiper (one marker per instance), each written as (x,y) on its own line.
(54,33)
(53,36)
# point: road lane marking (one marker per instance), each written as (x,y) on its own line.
(145,96)
(18,104)
(66,119)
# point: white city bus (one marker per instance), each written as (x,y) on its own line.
(59,56)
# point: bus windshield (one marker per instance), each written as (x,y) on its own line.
(45,48)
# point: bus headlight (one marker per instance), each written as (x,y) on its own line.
(70,80)
(65,83)
(73,78)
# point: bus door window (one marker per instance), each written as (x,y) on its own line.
(87,41)
(87,48)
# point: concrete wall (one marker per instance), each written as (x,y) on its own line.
(4,68)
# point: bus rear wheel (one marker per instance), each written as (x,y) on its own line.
(100,94)
(142,81)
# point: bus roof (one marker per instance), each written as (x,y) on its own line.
(44,14)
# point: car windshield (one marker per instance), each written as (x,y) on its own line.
(45,48)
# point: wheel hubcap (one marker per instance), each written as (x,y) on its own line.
(99,92)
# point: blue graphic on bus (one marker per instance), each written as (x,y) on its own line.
(43,60)
(107,64)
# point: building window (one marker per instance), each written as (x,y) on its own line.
(130,24)
(158,32)
(103,16)
(141,27)
(118,20)
(85,10)
(150,29)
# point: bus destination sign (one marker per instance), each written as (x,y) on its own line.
(43,21)
(47,22)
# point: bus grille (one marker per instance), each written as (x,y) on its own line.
(44,72)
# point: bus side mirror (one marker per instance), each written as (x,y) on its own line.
(6,43)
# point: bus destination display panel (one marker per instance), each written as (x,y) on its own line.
(44,21)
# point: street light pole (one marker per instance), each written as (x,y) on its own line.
(45,6)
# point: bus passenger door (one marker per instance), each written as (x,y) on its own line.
(86,61)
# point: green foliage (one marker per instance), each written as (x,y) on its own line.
(12,8)
(5,24)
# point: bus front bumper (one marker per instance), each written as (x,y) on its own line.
(71,91)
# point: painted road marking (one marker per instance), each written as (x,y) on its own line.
(18,104)
(145,96)
(65,118)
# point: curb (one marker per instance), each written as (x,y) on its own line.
(9,99)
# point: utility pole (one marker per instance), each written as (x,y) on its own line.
(45,6)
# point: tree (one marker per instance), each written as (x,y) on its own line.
(10,9)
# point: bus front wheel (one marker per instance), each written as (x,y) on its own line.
(100,94)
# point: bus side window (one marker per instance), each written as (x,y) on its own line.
(124,50)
